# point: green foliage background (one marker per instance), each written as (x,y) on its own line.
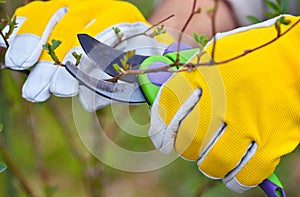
(66,171)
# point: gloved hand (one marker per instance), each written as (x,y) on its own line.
(40,22)
(239,118)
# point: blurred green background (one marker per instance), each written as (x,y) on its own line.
(46,150)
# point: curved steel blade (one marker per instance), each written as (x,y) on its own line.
(105,56)
(123,92)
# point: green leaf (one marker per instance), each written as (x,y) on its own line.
(47,46)
(124,61)
(210,10)
(130,54)
(1,127)
(200,39)
(14,23)
(3,23)
(51,50)
(127,56)
(159,30)
(254,19)
(117,30)
(11,23)
(55,43)
(203,40)
(270,14)
(117,67)
(3,167)
(273,6)
(199,10)
(77,57)
(284,21)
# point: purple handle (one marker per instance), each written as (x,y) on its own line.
(271,189)
(161,77)
(158,78)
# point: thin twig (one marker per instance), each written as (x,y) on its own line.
(15,169)
(187,66)
(167,67)
(248,51)
(204,188)
(5,40)
(213,27)
(193,12)
(144,33)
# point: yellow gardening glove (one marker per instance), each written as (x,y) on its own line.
(39,22)
(237,119)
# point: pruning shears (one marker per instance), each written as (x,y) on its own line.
(140,88)
(137,88)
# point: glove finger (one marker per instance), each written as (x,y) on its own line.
(192,138)
(63,84)
(26,46)
(221,155)
(250,173)
(262,164)
(181,115)
(36,87)
(46,76)
(163,135)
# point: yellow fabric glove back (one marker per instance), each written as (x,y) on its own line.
(238,118)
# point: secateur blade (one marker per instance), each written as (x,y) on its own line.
(123,92)
(104,56)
